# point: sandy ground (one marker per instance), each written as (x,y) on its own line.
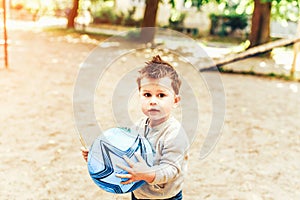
(257,156)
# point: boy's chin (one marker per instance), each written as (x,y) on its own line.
(155,117)
(157,120)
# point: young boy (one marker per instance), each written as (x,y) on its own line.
(159,85)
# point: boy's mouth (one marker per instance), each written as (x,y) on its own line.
(153,110)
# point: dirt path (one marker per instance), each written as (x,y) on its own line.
(256,157)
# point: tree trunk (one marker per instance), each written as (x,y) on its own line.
(149,21)
(260,28)
(73,14)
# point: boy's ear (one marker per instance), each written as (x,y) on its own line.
(176,101)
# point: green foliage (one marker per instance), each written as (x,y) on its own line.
(200,3)
(128,19)
(176,18)
(227,23)
(105,15)
(176,22)
(285,10)
(172,2)
(195,3)
(108,15)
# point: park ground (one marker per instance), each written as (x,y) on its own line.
(256,157)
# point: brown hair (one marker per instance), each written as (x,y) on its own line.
(158,68)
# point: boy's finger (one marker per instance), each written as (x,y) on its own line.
(84,149)
(127,182)
(128,169)
(124,175)
(139,157)
(129,162)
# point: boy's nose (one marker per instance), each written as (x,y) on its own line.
(153,101)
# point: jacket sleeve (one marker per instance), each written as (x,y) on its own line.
(174,148)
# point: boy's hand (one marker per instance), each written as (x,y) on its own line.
(136,171)
(85,153)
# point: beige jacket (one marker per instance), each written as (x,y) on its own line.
(170,144)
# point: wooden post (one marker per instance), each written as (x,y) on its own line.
(251,52)
(296,50)
(5,35)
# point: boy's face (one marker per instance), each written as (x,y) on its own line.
(157,99)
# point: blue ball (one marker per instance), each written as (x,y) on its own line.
(108,150)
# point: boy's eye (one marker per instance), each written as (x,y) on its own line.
(147,95)
(161,95)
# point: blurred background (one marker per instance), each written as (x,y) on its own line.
(254,43)
(239,24)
